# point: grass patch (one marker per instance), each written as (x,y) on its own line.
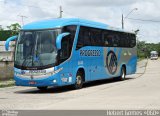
(140,59)
(7,83)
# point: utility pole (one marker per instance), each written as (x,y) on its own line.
(1,27)
(123,18)
(122,22)
(22,18)
(136,32)
(60,12)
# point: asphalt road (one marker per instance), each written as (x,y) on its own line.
(139,91)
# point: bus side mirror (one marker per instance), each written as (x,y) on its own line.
(8,41)
(59,39)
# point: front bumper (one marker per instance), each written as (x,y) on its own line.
(48,81)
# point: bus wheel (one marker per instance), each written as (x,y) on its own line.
(79,80)
(42,88)
(123,74)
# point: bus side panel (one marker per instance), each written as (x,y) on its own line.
(129,59)
(64,76)
(94,62)
(112,58)
(70,68)
(82,61)
(132,62)
(97,64)
(123,56)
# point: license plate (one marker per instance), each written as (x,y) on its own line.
(32,82)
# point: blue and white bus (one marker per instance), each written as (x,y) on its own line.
(71,51)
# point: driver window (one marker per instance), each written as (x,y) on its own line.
(67,43)
(64,54)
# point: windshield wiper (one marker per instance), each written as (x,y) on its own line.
(24,61)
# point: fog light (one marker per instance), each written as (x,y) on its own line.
(54,81)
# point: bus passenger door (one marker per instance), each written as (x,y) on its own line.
(63,63)
(66,53)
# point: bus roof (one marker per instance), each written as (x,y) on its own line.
(60,22)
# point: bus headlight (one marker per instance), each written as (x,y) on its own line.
(54,81)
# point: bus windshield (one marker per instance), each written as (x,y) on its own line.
(36,48)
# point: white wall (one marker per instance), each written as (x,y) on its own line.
(6,61)
(6,55)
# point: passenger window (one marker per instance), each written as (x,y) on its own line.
(96,37)
(133,40)
(105,39)
(115,40)
(108,38)
(83,38)
(64,54)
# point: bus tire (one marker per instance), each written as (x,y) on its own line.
(123,74)
(79,80)
(42,88)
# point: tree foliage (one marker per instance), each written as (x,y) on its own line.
(4,34)
(13,29)
(144,49)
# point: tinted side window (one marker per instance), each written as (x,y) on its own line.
(133,40)
(116,39)
(127,40)
(67,43)
(86,37)
(121,39)
(96,37)
(83,38)
(105,38)
(110,38)
(72,30)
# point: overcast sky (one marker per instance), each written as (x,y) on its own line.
(105,11)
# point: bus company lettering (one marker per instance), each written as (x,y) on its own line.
(90,52)
(37,71)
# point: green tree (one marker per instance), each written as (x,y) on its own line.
(141,47)
(15,28)
(144,49)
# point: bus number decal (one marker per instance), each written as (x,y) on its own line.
(111,61)
(90,52)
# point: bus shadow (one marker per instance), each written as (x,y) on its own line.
(102,82)
(68,88)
